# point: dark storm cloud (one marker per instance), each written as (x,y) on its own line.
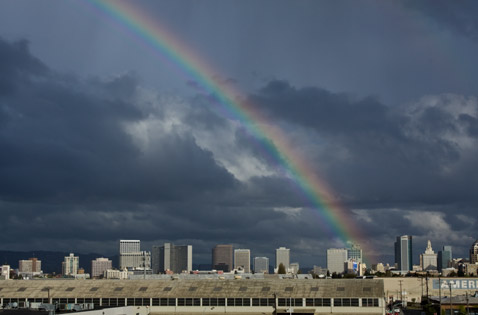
(460,17)
(64,139)
(416,149)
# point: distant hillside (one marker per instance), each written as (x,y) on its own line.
(50,261)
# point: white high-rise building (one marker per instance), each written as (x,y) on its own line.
(131,256)
(70,265)
(282,257)
(336,257)
(242,259)
(261,265)
(428,260)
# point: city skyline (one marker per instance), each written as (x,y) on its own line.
(313,125)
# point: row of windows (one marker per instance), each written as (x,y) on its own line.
(114,302)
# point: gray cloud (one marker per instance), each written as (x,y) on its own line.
(459,17)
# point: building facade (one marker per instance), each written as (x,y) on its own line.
(474,253)
(444,258)
(282,257)
(261,265)
(336,257)
(99,266)
(131,257)
(30,267)
(5,272)
(354,252)
(403,253)
(70,265)
(242,259)
(428,260)
(172,258)
(254,297)
(223,257)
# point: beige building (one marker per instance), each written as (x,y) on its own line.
(282,257)
(5,272)
(428,260)
(30,267)
(242,259)
(99,266)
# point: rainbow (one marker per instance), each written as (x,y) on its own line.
(334,220)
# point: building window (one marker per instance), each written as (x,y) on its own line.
(143,289)
(117,289)
(370,302)
(155,301)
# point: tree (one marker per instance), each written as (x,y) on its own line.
(281,269)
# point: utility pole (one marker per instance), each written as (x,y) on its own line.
(451,304)
(439,293)
(401,292)
(467,303)
(427,285)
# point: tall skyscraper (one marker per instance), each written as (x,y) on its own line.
(283,257)
(444,258)
(428,260)
(99,266)
(474,253)
(403,253)
(172,258)
(242,259)
(70,265)
(261,265)
(336,258)
(131,257)
(354,252)
(222,257)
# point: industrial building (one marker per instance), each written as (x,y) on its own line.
(239,296)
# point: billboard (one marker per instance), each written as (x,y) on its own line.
(456,284)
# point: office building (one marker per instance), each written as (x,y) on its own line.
(70,265)
(30,267)
(444,258)
(131,257)
(474,253)
(171,258)
(403,253)
(242,260)
(261,265)
(222,257)
(428,260)
(336,257)
(283,257)
(99,266)
(354,252)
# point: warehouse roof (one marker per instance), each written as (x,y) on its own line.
(191,288)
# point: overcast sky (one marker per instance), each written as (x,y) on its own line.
(100,140)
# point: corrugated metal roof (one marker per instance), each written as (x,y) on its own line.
(191,288)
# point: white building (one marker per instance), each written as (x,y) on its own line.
(70,265)
(261,265)
(99,266)
(336,257)
(242,259)
(294,268)
(117,274)
(131,256)
(282,257)
(5,272)
(428,260)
